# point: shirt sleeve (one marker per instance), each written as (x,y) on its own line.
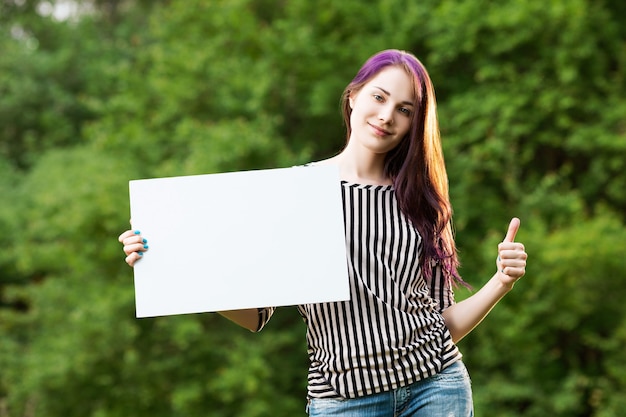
(264,316)
(441,288)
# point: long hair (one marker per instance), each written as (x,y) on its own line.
(416,165)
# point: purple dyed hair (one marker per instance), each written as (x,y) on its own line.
(416,166)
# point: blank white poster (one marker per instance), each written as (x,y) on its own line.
(239,240)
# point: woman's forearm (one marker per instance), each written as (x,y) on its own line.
(248,318)
(461,318)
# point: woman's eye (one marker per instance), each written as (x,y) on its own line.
(405,111)
(378,97)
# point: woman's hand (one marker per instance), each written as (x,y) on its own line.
(511,261)
(134,245)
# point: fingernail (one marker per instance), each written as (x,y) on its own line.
(137,232)
(145,246)
(145,240)
(140,253)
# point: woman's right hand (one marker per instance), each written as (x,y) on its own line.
(134,245)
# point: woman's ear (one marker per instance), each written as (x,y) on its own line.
(351,100)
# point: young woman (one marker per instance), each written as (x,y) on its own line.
(391,350)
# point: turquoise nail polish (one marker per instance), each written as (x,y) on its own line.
(145,240)
(140,253)
(137,232)
(145,246)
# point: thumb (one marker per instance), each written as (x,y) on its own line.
(513,228)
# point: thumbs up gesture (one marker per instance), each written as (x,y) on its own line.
(512,257)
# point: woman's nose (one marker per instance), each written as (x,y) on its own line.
(385,114)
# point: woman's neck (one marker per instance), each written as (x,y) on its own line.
(360,167)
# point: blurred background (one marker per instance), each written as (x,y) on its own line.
(532,106)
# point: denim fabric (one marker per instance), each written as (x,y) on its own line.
(447,394)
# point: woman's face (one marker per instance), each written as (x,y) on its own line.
(382,111)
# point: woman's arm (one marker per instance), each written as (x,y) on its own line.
(248,318)
(463,317)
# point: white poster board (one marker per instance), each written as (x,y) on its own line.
(239,240)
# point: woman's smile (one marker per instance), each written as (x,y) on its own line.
(379,131)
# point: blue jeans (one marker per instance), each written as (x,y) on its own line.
(447,394)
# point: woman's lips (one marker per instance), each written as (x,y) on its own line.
(379,130)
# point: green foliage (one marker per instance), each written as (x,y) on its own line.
(554,345)
(531,105)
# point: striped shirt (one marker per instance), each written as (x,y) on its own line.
(391,333)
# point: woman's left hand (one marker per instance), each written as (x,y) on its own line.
(511,261)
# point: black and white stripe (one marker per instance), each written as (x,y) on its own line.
(391,332)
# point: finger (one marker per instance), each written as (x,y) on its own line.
(511,250)
(130,259)
(133,258)
(514,263)
(513,228)
(514,272)
(127,234)
(124,235)
(130,236)
(135,247)
(133,239)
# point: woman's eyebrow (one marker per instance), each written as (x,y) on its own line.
(408,103)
